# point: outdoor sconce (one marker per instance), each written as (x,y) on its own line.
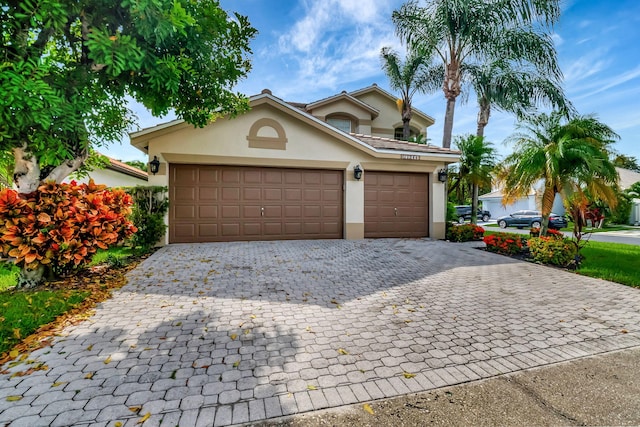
(154,165)
(357,172)
(442,175)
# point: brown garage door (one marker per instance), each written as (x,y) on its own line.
(395,204)
(227,203)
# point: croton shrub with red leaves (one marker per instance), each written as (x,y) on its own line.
(62,225)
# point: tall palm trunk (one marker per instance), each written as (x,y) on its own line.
(448,123)
(548,196)
(483,118)
(474,203)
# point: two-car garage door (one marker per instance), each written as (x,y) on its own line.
(228,203)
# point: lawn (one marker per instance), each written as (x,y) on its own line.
(598,262)
(22,312)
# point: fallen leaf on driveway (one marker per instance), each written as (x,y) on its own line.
(342,351)
(135,409)
(368,408)
(311,387)
(233,336)
(408,375)
(145,418)
(107,360)
(624,331)
(13,398)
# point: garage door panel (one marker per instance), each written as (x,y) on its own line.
(254,203)
(231,193)
(184,212)
(252,194)
(209,230)
(396,204)
(230,211)
(207,212)
(185,194)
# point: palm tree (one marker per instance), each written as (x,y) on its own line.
(569,157)
(414,75)
(512,88)
(477,161)
(460,32)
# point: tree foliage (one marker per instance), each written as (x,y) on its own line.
(460,32)
(415,74)
(68,68)
(569,157)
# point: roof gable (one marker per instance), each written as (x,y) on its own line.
(377,90)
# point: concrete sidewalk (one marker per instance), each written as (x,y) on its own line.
(230,333)
(594,391)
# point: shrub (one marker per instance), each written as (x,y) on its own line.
(61,226)
(504,243)
(535,232)
(150,206)
(464,233)
(551,250)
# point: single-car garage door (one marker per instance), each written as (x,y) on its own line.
(228,203)
(395,204)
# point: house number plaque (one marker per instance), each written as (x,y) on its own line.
(409,157)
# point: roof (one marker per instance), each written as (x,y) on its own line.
(497,194)
(394,144)
(118,166)
(375,88)
(367,143)
(627,178)
(344,96)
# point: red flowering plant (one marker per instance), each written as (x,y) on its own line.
(464,232)
(504,243)
(61,226)
(535,232)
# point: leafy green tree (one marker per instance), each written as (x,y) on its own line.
(627,162)
(68,68)
(413,75)
(569,157)
(477,161)
(513,88)
(137,164)
(460,32)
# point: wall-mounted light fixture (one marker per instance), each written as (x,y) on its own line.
(357,172)
(442,175)
(154,165)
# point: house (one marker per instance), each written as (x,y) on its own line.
(323,170)
(492,202)
(116,174)
(627,179)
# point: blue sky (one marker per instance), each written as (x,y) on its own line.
(309,49)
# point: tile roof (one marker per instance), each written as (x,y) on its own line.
(394,144)
(124,168)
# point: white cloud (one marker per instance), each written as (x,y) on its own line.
(605,85)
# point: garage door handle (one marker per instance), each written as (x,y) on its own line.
(261,211)
(395,211)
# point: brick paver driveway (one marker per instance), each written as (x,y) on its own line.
(235,332)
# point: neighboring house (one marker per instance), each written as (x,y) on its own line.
(493,201)
(116,174)
(627,179)
(287,171)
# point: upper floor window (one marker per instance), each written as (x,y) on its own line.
(398,133)
(343,124)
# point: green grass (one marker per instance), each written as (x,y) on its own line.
(115,252)
(616,262)
(23,312)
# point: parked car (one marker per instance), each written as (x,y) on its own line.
(464,213)
(531,219)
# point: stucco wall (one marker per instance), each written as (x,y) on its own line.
(389,116)
(111,178)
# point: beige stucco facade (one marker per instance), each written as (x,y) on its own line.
(275,134)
